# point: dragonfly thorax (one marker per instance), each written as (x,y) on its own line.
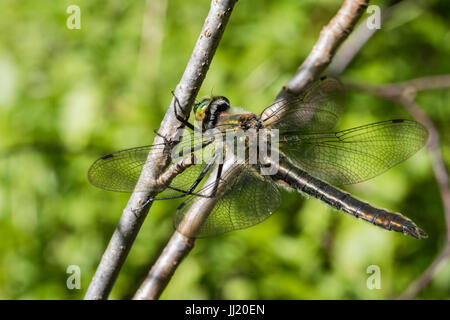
(209,110)
(250,121)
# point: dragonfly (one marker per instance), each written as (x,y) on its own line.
(311,158)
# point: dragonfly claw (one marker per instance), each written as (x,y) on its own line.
(167,142)
(142,205)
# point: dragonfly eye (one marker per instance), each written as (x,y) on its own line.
(209,110)
(200,109)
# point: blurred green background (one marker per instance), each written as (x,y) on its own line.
(70,96)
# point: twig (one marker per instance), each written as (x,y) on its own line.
(358,39)
(404,93)
(166,178)
(426,277)
(186,91)
(330,38)
(176,249)
(352,46)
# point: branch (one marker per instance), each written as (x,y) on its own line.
(360,37)
(176,249)
(186,91)
(426,277)
(330,38)
(404,93)
(175,169)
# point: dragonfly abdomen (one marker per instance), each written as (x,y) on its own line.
(302,181)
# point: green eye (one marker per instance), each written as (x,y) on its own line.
(198,108)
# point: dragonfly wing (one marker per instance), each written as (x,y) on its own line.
(120,171)
(316,110)
(248,199)
(355,155)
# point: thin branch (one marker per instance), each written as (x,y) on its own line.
(186,91)
(442,178)
(426,277)
(405,93)
(176,249)
(175,169)
(330,38)
(411,87)
(358,39)
(352,46)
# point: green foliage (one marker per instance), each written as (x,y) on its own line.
(70,96)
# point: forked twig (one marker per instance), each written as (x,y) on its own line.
(330,38)
(404,93)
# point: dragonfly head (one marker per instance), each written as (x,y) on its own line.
(208,111)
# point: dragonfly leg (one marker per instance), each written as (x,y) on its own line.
(191,188)
(179,117)
(216,185)
(201,176)
(170,143)
(218,179)
(137,210)
(214,191)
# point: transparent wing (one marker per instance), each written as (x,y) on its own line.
(316,110)
(357,154)
(248,199)
(120,171)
